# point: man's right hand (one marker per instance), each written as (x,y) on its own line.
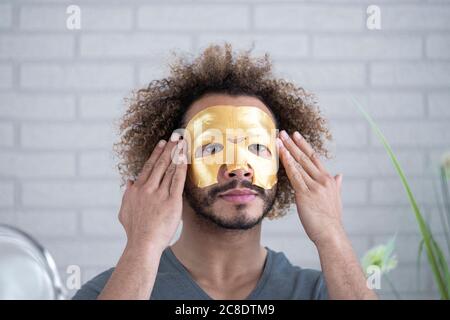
(151,206)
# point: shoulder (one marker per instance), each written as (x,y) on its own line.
(299,283)
(91,289)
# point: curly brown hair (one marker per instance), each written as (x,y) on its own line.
(156,111)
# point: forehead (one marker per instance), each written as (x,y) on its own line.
(224,99)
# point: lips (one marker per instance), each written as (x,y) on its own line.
(238,195)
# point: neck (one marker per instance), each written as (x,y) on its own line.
(216,254)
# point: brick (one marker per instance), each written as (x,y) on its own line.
(408,279)
(87,253)
(278,46)
(5,16)
(6,76)
(439,105)
(418,17)
(436,215)
(367,47)
(323,75)
(301,251)
(193,17)
(41,164)
(438,46)
(391,191)
(67,136)
(137,45)
(102,106)
(375,163)
(308,17)
(71,194)
(48,224)
(76,76)
(36,106)
(407,248)
(151,71)
(410,74)
(354,191)
(379,220)
(413,133)
(36,46)
(436,158)
(7,194)
(53,18)
(297,247)
(97,222)
(346,134)
(290,223)
(390,105)
(6,135)
(98,164)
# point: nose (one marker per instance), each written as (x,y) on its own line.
(239,173)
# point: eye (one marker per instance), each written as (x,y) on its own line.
(208,149)
(260,150)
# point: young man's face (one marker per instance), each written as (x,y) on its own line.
(239,194)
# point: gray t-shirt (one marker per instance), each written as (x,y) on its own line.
(279,280)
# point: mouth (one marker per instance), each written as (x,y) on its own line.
(238,195)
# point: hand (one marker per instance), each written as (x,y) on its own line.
(152,205)
(317,193)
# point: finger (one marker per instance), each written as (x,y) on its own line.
(148,166)
(179,177)
(165,183)
(300,156)
(168,175)
(308,150)
(310,183)
(163,162)
(293,171)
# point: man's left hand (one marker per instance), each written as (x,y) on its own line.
(317,193)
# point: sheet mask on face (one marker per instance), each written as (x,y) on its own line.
(237,136)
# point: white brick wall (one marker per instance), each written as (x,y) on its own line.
(61,90)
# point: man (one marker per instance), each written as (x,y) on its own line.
(222,203)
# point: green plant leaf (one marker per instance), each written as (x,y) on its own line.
(419,257)
(442,264)
(424,229)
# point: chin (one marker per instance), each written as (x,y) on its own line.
(251,210)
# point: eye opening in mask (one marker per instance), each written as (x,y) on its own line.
(208,149)
(255,148)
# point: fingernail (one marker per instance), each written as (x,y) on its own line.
(161,143)
(175,136)
(297,135)
(284,134)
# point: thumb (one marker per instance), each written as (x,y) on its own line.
(339,177)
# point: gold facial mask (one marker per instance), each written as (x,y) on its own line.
(237,136)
